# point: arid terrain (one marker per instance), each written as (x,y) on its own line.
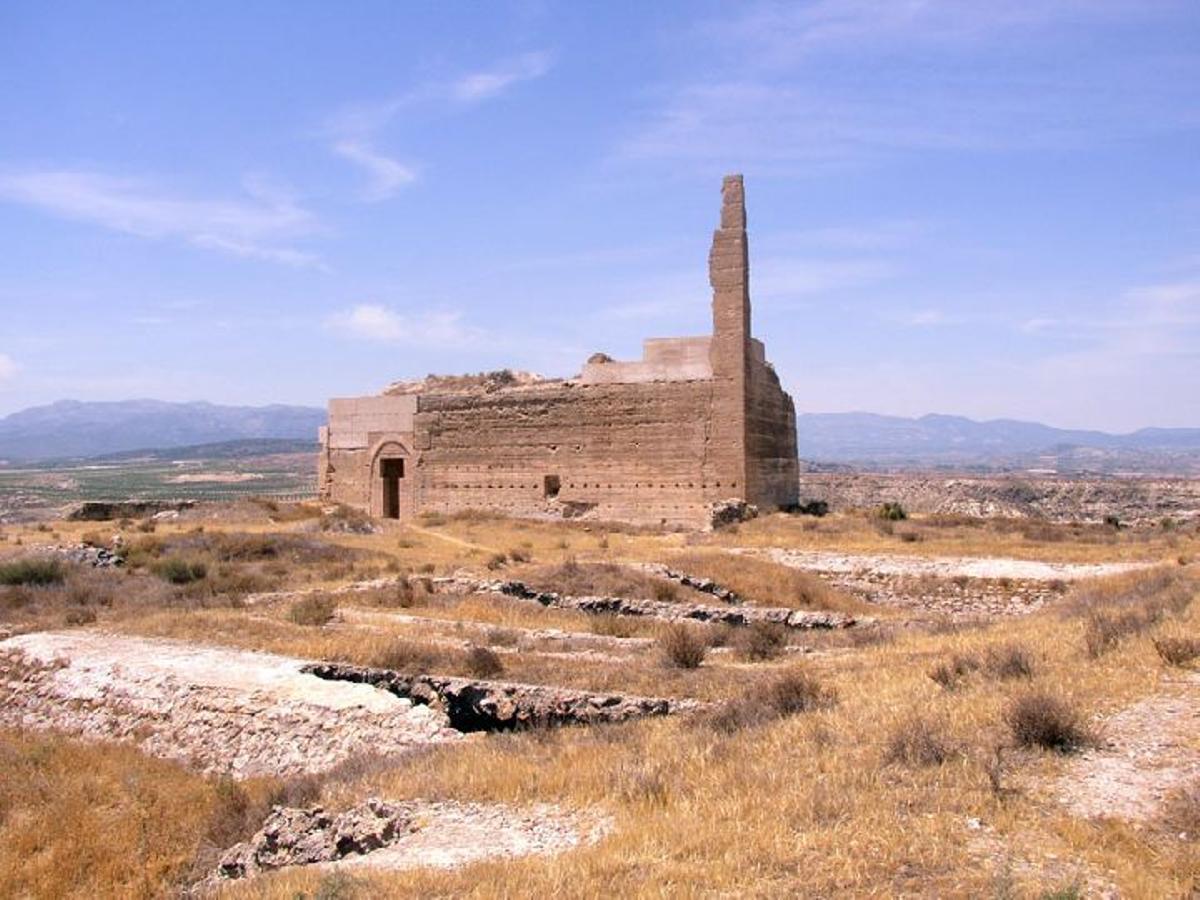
(266,699)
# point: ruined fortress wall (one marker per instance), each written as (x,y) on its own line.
(634,452)
(772,470)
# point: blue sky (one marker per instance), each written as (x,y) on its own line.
(982,208)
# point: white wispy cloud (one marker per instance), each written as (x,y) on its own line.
(386,175)
(781,88)
(376,322)
(354,130)
(251,228)
(481,85)
(8,367)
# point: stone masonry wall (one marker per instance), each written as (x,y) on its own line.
(634,452)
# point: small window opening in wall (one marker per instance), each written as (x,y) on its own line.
(551,485)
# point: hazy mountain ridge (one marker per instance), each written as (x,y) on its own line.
(73,428)
(940,440)
(76,429)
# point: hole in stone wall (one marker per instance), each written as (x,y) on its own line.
(551,485)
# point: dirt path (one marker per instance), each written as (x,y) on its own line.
(220,709)
(943,566)
(1150,748)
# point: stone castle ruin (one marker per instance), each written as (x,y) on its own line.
(693,424)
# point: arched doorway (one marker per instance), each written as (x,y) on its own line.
(389,485)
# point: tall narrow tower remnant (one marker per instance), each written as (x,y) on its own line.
(695,422)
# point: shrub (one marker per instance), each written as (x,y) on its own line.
(918,741)
(665,592)
(1009,661)
(80,615)
(683,646)
(483,663)
(178,570)
(891,511)
(790,694)
(1039,719)
(1104,629)
(520,555)
(950,674)
(760,641)
(315,609)
(1180,813)
(497,561)
(33,571)
(1177,651)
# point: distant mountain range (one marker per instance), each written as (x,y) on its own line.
(74,429)
(868,440)
(71,428)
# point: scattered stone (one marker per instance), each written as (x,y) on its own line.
(475,705)
(107,510)
(658,609)
(703,585)
(730,512)
(87,555)
(298,837)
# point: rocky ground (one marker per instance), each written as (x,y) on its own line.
(1129,500)
(222,710)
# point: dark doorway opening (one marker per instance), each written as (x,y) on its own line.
(551,485)
(392,471)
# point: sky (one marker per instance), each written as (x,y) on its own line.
(978,208)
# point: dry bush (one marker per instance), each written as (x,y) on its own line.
(314,610)
(520,554)
(503,637)
(178,570)
(760,641)
(483,663)
(1180,812)
(666,592)
(1009,661)
(951,674)
(798,691)
(497,561)
(1105,630)
(33,571)
(1040,719)
(79,615)
(405,594)
(683,646)
(1177,651)
(919,741)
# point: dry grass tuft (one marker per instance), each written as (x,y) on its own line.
(35,571)
(483,663)
(760,641)
(315,610)
(1180,813)
(1042,720)
(1177,651)
(798,691)
(683,646)
(919,741)
(409,657)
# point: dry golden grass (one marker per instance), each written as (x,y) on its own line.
(828,802)
(767,583)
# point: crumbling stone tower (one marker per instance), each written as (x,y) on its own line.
(694,422)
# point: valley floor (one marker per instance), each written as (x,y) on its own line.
(989,708)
